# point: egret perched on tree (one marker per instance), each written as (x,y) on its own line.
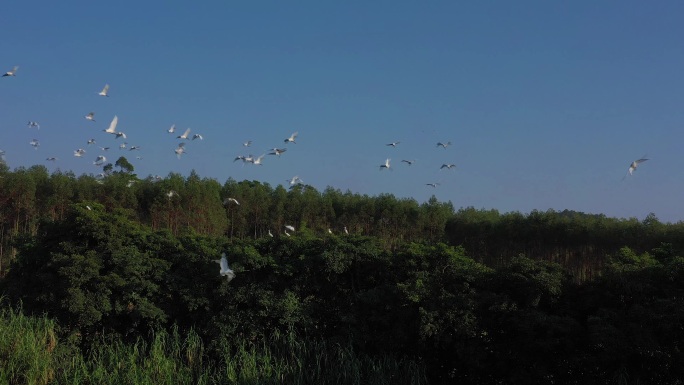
(225,270)
(290,227)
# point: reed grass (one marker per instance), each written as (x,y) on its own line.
(31,353)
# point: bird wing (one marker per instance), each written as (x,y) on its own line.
(112,125)
(186,133)
(105,89)
(224,264)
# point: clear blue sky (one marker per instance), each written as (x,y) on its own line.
(546,102)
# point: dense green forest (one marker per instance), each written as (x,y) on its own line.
(102,274)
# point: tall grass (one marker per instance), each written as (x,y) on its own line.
(31,353)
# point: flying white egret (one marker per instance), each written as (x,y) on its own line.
(290,227)
(448,166)
(91,141)
(393,144)
(257,161)
(90,116)
(197,136)
(247,143)
(122,146)
(12,72)
(443,145)
(104,148)
(120,134)
(172,194)
(79,153)
(180,150)
(228,200)
(35,143)
(409,162)
(292,138)
(295,179)
(433,185)
(386,165)
(33,124)
(240,157)
(633,166)
(112,126)
(277,151)
(171,129)
(185,134)
(134,148)
(52,159)
(225,270)
(105,91)
(100,160)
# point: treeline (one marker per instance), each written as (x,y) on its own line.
(579,242)
(426,307)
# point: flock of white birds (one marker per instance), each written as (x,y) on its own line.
(100,160)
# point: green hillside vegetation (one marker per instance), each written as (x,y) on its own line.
(114,281)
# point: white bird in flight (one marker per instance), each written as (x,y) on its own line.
(35,143)
(386,165)
(257,161)
(633,166)
(197,136)
(409,162)
(79,153)
(448,166)
(90,116)
(247,143)
(393,144)
(52,159)
(122,146)
(292,138)
(185,134)
(225,270)
(180,150)
(433,185)
(295,179)
(443,145)
(33,124)
(277,151)
(171,129)
(12,72)
(100,160)
(91,141)
(112,126)
(228,200)
(105,91)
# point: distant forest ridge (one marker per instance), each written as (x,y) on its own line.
(579,242)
